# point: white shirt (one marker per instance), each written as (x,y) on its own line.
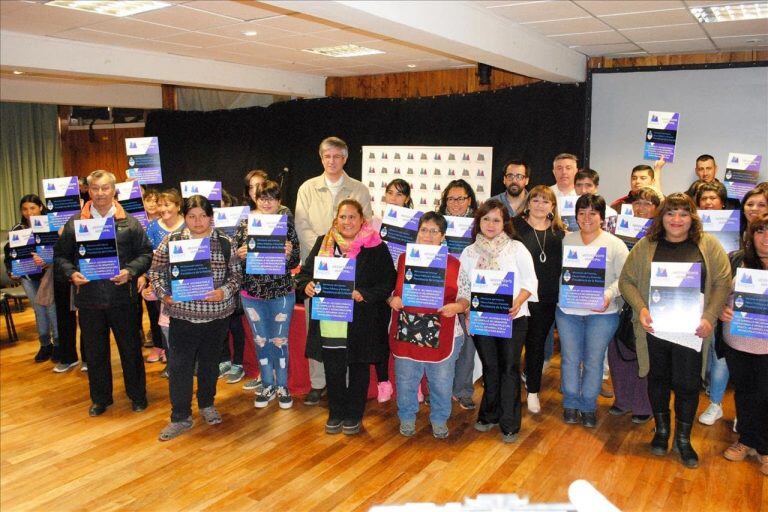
(558,193)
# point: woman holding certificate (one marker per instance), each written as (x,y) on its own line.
(588,308)
(198,326)
(673,336)
(746,344)
(348,331)
(495,250)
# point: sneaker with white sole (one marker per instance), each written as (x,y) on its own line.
(253,385)
(175,429)
(284,398)
(64,367)
(713,413)
(224,368)
(84,367)
(265,396)
(235,374)
(210,415)
(534,406)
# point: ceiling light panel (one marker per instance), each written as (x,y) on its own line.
(343,51)
(736,12)
(110,7)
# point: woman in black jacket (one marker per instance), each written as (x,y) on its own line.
(351,347)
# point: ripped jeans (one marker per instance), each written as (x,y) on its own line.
(270,321)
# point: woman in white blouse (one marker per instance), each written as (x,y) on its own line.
(494,249)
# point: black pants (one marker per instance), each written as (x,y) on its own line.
(153,312)
(238,341)
(95,325)
(541,320)
(346,401)
(749,376)
(189,342)
(382,371)
(66,320)
(501,375)
(673,368)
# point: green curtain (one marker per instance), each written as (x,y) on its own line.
(29,151)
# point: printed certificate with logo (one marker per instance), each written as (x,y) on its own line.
(661,135)
(211,190)
(399,227)
(424,280)
(190,266)
(128,194)
(566,207)
(97,248)
(334,283)
(582,280)
(62,197)
(631,229)
(266,244)
(22,244)
(676,303)
(491,297)
(459,233)
(750,304)
(45,236)
(741,174)
(724,225)
(228,219)
(144,160)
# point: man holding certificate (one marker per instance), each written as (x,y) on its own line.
(673,341)
(106,294)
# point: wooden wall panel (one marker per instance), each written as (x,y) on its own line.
(82,155)
(678,60)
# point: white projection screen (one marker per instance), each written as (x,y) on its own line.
(721,111)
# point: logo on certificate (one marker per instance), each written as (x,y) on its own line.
(408,275)
(656,297)
(739,302)
(175,271)
(81,250)
(566,276)
(475,302)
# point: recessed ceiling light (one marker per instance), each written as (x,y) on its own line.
(343,51)
(718,13)
(17,72)
(411,65)
(110,7)
(250,33)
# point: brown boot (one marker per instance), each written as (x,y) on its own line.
(738,452)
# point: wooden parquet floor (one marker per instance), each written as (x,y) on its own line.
(53,457)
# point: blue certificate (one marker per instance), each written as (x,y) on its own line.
(266,244)
(742,174)
(424,284)
(724,225)
(62,196)
(491,292)
(399,227)
(750,304)
(190,265)
(459,233)
(128,194)
(582,281)
(144,160)
(22,244)
(228,219)
(631,229)
(45,236)
(97,248)
(334,283)
(675,300)
(661,135)
(211,190)
(566,207)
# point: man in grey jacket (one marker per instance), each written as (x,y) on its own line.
(316,205)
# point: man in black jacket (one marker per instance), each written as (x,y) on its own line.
(106,304)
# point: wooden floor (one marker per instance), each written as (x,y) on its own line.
(54,457)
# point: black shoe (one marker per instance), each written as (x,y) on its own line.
(484,426)
(351,427)
(98,409)
(588,419)
(313,397)
(570,416)
(682,445)
(639,419)
(660,441)
(56,354)
(333,426)
(138,405)
(44,353)
(615,411)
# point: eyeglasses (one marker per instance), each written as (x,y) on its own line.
(457,199)
(333,157)
(516,177)
(266,199)
(428,231)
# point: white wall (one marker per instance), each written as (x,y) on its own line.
(721,111)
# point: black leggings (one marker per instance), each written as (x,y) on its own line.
(673,368)
(346,399)
(542,318)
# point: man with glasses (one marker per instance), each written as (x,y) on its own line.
(516,175)
(316,205)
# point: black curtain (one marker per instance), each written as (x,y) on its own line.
(533,122)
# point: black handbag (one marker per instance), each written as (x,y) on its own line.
(625,333)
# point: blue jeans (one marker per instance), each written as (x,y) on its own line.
(270,321)
(463,383)
(408,375)
(583,342)
(45,317)
(718,377)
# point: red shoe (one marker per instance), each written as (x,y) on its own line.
(157,354)
(385,391)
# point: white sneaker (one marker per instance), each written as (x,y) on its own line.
(534,406)
(735,421)
(713,413)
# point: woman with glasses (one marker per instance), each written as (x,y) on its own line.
(268,301)
(458,200)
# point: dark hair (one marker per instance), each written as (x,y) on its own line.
(648,194)
(676,201)
(643,167)
(754,192)
(261,173)
(435,217)
(31,198)
(705,157)
(150,192)
(589,174)
(485,208)
(691,192)
(197,201)
(594,201)
(517,161)
(353,203)
(714,186)
(547,193)
(467,190)
(268,189)
(404,188)
(751,258)
(228,199)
